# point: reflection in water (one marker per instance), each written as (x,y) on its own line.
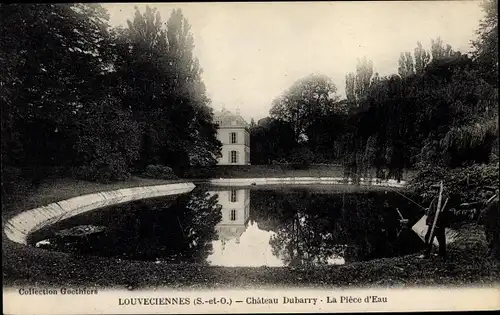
(180,230)
(249,227)
(240,243)
(323,228)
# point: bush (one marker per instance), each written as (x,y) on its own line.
(301,158)
(463,184)
(159,172)
(104,169)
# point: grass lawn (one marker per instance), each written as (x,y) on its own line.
(23,265)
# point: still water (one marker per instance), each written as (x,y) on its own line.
(245,227)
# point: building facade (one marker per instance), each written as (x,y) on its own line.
(235,137)
(235,213)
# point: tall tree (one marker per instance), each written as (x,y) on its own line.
(165,91)
(485,47)
(61,54)
(422,58)
(202,147)
(402,66)
(350,82)
(406,66)
(364,72)
(306,100)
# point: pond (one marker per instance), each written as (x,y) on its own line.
(253,227)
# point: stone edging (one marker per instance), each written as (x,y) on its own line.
(304,180)
(20,226)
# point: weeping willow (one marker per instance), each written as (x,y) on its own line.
(471,135)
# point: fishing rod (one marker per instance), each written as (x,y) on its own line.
(394,190)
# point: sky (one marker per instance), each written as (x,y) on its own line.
(253,52)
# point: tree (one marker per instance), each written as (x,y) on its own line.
(444,115)
(271,141)
(107,151)
(163,87)
(56,56)
(364,72)
(325,136)
(202,146)
(307,99)
(406,67)
(422,58)
(350,80)
(485,47)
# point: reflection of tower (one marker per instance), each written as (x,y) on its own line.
(235,213)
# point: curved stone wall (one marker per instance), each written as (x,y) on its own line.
(304,180)
(20,226)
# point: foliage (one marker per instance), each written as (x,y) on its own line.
(486,45)
(273,140)
(164,90)
(301,157)
(59,58)
(465,182)
(100,101)
(357,85)
(422,58)
(406,66)
(306,100)
(159,172)
(107,151)
(443,114)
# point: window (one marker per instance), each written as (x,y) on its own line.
(233,195)
(234,157)
(232,137)
(232,215)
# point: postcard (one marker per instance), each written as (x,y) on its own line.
(250,157)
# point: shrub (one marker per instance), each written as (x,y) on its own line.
(159,172)
(463,184)
(301,158)
(104,169)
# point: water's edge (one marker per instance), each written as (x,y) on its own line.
(20,226)
(305,180)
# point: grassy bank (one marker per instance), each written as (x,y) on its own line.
(23,265)
(56,189)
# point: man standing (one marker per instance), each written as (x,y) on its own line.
(441,223)
(490,218)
